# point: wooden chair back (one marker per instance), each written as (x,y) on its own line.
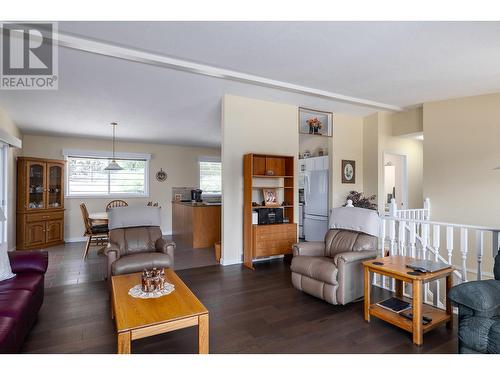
(116,203)
(85,217)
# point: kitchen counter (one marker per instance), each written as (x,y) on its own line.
(196,225)
(197,204)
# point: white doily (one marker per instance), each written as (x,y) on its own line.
(136,292)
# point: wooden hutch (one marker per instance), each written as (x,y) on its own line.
(40,203)
(261,172)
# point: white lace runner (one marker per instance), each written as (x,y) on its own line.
(136,291)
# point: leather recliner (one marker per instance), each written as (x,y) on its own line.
(135,241)
(479,314)
(332,269)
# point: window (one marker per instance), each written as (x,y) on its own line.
(210,176)
(86,177)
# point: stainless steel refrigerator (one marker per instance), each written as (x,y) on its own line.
(316,205)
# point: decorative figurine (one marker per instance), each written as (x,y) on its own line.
(153,280)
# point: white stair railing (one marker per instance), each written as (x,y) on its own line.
(411,213)
(409,232)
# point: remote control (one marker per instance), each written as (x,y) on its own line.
(409,315)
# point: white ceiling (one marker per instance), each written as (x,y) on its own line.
(399,63)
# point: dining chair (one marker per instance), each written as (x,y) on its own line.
(96,234)
(116,203)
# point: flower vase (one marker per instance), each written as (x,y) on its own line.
(311,129)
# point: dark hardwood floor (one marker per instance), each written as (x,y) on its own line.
(67,267)
(250,312)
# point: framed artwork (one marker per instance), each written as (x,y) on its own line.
(315,122)
(348,172)
(270,198)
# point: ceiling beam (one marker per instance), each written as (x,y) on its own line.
(133,54)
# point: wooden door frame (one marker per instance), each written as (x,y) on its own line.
(405,187)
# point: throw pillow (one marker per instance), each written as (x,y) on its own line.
(5,269)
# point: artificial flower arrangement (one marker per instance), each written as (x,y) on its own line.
(314,123)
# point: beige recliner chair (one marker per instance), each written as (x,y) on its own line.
(135,241)
(332,269)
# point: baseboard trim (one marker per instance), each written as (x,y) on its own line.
(230,262)
(268,258)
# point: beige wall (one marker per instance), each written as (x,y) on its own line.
(249,126)
(256,126)
(180,163)
(411,148)
(348,145)
(370,154)
(379,140)
(8,125)
(461,150)
(407,122)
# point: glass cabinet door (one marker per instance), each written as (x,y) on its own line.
(36,185)
(55,188)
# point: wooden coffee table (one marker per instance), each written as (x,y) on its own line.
(395,267)
(137,318)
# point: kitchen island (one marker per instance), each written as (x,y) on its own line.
(196,225)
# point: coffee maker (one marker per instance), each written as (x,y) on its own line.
(196,195)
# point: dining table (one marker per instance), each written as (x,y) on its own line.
(98,218)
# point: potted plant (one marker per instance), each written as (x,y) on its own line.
(359,200)
(314,125)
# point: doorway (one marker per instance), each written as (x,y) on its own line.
(396,179)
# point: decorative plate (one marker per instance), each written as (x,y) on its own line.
(161,175)
(136,291)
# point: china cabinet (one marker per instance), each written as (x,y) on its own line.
(40,203)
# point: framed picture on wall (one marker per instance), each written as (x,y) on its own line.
(348,172)
(315,122)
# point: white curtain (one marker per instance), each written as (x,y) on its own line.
(3,192)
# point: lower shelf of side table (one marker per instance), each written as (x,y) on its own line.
(437,315)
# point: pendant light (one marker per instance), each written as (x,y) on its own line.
(113,165)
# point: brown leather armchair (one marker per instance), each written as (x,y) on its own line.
(133,247)
(332,269)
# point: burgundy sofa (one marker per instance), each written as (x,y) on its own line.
(21,297)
